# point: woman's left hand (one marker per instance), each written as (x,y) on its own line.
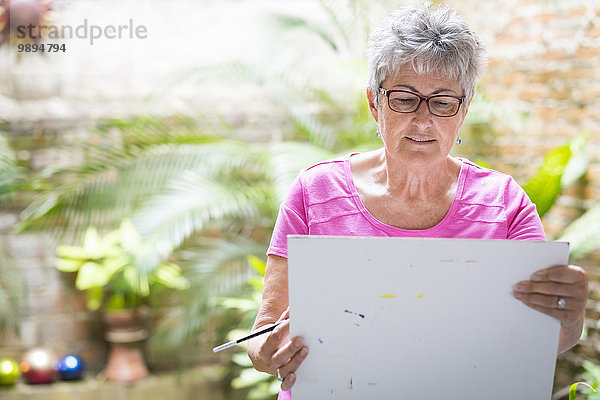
(560,292)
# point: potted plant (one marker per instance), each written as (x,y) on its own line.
(105,268)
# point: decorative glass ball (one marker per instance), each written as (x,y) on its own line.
(9,371)
(39,365)
(71,368)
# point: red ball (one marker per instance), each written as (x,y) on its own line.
(39,365)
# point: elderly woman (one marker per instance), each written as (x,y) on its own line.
(424,65)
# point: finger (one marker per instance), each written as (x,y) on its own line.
(561,273)
(275,339)
(545,301)
(548,303)
(288,382)
(548,287)
(293,364)
(553,311)
(286,352)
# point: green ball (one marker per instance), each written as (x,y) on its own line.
(9,371)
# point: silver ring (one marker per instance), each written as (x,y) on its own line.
(279,378)
(561,303)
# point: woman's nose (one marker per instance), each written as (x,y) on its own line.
(422,115)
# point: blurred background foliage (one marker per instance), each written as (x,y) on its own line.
(206,200)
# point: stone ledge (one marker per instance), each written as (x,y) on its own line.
(196,383)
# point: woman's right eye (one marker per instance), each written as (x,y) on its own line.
(403,100)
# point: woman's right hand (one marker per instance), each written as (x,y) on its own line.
(278,355)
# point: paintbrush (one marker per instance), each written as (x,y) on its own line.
(264,329)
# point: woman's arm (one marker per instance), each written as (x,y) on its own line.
(273,352)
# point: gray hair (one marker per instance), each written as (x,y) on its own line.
(431,40)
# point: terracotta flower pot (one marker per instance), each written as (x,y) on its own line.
(125,331)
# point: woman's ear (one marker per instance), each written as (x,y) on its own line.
(372,107)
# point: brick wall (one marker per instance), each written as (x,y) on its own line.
(50,313)
(545,61)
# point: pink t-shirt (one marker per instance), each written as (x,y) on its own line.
(324,201)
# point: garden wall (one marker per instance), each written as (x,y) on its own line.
(545,61)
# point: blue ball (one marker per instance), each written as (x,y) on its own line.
(70,368)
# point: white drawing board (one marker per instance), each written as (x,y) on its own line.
(399,318)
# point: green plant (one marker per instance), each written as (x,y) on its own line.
(12,180)
(106,269)
(13,177)
(591,374)
(10,297)
(260,385)
(562,166)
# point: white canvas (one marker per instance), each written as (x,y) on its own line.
(398,318)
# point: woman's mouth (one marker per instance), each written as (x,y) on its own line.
(420,139)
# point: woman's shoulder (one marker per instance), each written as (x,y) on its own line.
(487,186)
(327,180)
(477,172)
(333,168)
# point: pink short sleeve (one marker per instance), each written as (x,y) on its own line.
(523,220)
(290,221)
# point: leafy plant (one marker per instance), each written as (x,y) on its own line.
(140,154)
(12,176)
(261,385)
(10,297)
(591,374)
(105,269)
(584,233)
(562,166)
(12,180)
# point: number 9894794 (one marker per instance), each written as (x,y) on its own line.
(41,48)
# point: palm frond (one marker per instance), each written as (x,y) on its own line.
(288,158)
(12,176)
(335,16)
(307,125)
(215,268)
(294,22)
(190,203)
(114,176)
(356,131)
(10,295)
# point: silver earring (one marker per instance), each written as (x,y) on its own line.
(377,134)
(459,140)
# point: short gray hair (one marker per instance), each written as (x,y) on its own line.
(431,40)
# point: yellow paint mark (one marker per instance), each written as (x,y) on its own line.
(420,296)
(388,296)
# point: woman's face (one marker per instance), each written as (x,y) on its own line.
(417,137)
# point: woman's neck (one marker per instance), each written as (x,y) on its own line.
(407,181)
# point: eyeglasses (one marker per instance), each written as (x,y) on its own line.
(405,102)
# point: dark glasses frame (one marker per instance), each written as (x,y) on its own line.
(425,99)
